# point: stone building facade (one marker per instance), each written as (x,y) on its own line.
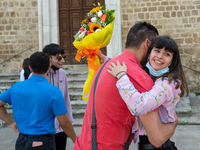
(29,23)
(179,19)
(18,32)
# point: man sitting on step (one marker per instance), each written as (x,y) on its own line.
(35,105)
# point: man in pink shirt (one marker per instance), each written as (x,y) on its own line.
(113,119)
(57,77)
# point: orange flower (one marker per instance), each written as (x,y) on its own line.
(94,26)
(96,9)
(83,21)
(103,17)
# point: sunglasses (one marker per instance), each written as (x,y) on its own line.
(59,58)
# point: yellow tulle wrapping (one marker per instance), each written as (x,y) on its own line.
(91,44)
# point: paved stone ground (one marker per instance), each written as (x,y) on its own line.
(186,137)
(193,117)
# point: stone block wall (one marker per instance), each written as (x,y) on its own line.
(18,32)
(179,19)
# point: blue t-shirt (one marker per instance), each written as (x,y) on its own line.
(35,104)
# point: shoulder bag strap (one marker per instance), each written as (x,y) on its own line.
(93,125)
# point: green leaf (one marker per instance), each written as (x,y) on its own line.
(184,123)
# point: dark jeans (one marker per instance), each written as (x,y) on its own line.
(144,140)
(61,141)
(25,142)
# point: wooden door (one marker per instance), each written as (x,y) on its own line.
(71,13)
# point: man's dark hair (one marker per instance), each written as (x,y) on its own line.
(39,62)
(139,33)
(53,49)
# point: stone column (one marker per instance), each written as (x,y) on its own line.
(48,22)
(115,46)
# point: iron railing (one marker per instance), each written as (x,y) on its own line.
(15,56)
(192,69)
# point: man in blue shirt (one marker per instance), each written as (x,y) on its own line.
(35,105)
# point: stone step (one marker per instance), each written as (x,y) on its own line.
(8,83)
(75,88)
(75,96)
(75,92)
(4,88)
(78,110)
(10,76)
(183,108)
(78,113)
(73,73)
(194,115)
(78,122)
(77,73)
(79,104)
(76,76)
(79,66)
(189,115)
(76,81)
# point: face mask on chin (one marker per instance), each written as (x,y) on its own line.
(158,72)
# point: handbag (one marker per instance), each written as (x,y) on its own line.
(93,125)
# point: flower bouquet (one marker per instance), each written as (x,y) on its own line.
(94,34)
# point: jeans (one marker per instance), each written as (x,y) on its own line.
(26,142)
(168,145)
(61,141)
(172,147)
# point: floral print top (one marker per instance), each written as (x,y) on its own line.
(163,96)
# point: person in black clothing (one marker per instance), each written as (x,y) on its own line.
(24,74)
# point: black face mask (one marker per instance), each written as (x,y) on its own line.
(54,68)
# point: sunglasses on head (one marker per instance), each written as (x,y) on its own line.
(59,58)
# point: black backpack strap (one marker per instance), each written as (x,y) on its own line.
(93,125)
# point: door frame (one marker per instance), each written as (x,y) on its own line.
(48,25)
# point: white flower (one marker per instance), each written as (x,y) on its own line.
(82,35)
(97,30)
(94,19)
(103,24)
(100,13)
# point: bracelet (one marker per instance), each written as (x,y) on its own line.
(119,73)
(122,75)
